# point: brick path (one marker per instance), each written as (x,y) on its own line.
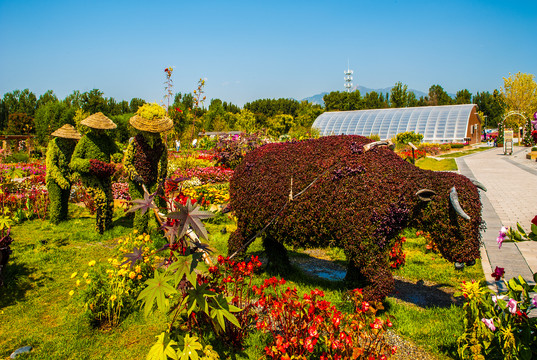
(511,197)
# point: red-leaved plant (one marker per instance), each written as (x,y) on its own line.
(312,327)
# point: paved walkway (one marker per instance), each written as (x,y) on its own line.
(511,197)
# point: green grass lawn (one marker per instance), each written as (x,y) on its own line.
(36,308)
(456,154)
(436,165)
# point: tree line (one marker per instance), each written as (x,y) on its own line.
(22,112)
(490,105)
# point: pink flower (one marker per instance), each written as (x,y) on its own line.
(489,323)
(499,240)
(498,273)
(503,231)
(512,306)
(534,301)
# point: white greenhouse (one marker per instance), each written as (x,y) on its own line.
(437,124)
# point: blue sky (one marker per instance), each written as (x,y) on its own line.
(249,50)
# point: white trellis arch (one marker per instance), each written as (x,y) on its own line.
(504,118)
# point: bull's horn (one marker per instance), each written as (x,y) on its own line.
(425,194)
(478,185)
(454,199)
(369,146)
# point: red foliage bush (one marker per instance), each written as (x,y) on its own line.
(354,199)
(314,328)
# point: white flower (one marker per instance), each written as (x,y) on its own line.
(489,323)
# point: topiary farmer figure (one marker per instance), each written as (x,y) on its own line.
(58,178)
(146,157)
(91,159)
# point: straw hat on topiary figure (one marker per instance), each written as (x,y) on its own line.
(146,157)
(58,178)
(91,160)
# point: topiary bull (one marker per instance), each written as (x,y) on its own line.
(348,192)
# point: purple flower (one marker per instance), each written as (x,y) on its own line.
(534,301)
(489,323)
(512,306)
(498,273)
(499,240)
(503,231)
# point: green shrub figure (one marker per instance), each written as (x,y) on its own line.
(408,136)
(58,178)
(91,160)
(146,157)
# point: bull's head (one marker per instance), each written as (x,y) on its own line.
(452,215)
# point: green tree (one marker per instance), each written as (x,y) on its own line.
(74,99)
(399,95)
(412,101)
(492,107)
(51,116)
(280,124)
(437,96)
(20,124)
(343,101)
(463,97)
(374,100)
(307,113)
(135,104)
(18,101)
(93,102)
(47,97)
(246,121)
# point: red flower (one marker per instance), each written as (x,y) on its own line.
(498,273)
(178,110)
(312,331)
(534,221)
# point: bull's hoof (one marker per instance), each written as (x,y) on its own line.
(459,266)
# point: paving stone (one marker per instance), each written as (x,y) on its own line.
(508,200)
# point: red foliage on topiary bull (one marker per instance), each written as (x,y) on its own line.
(339,191)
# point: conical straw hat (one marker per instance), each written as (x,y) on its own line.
(154,126)
(67,131)
(99,121)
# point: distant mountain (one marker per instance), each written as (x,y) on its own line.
(318,99)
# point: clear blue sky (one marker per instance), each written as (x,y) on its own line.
(251,49)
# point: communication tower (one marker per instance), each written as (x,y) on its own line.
(348,78)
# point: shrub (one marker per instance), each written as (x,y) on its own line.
(312,327)
(498,327)
(109,290)
(229,152)
(207,175)
(408,136)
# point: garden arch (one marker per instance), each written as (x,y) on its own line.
(516,125)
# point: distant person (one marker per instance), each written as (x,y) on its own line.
(177,145)
(194,142)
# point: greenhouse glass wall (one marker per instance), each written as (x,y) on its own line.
(437,124)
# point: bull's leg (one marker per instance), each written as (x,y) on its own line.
(374,276)
(277,255)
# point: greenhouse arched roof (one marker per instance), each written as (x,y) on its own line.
(445,123)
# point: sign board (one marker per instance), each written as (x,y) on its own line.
(507,142)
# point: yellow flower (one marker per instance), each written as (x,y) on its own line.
(119,241)
(91,263)
(121,272)
(139,277)
(88,281)
(113,298)
(71,293)
(135,231)
(85,275)
(73,274)
(77,282)
(147,238)
(138,269)
(140,237)
(132,274)
(110,260)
